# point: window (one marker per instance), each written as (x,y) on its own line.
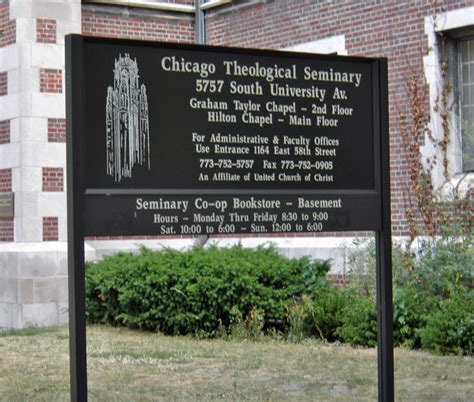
(456,27)
(466,91)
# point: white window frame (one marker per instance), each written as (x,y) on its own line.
(447,21)
(163,5)
(332,45)
(151,4)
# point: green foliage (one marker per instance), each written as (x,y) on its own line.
(450,328)
(197,291)
(296,315)
(255,322)
(241,293)
(314,278)
(440,270)
(252,327)
(325,317)
(424,284)
(440,275)
(317,315)
(362,267)
(359,322)
(409,311)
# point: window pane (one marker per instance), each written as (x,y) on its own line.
(464,51)
(467,103)
(468,138)
(465,73)
(466,99)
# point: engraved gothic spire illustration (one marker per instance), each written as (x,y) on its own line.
(127,126)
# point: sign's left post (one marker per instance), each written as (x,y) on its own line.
(75,215)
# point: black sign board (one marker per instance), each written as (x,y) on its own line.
(167,139)
(200,140)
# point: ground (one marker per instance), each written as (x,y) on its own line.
(128,365)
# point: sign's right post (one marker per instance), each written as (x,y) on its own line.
(384,254)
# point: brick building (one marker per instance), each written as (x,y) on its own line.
(33,268)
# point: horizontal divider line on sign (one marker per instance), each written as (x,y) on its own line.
(133,191)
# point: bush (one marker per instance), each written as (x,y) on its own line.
(423,285)
(296,316)
(359,322)
(362,272)
(195,292)
(442,270)
(327,305)
(409,315)
(450,329)
(241,292)
(317,315)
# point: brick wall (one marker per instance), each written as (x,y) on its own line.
(56,130)
(51,80)
(53,179)
(50,228)
(123,22)
(6,229)
(4,132)
(5,180)
(338,280)
(7,26)
(392,29)
(3,83)
(45,31)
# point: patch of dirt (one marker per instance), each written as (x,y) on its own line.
(455,398)
(291,387)
(336,388)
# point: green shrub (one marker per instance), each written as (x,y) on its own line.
(409,315)
(197,291)
(361,267)
(252,327)
(296,315)
(450,329)
(424,282)
(254,323)
(316,315)
(359,322)
(440,270)
(327,305)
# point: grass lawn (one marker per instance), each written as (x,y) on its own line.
(134,366)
